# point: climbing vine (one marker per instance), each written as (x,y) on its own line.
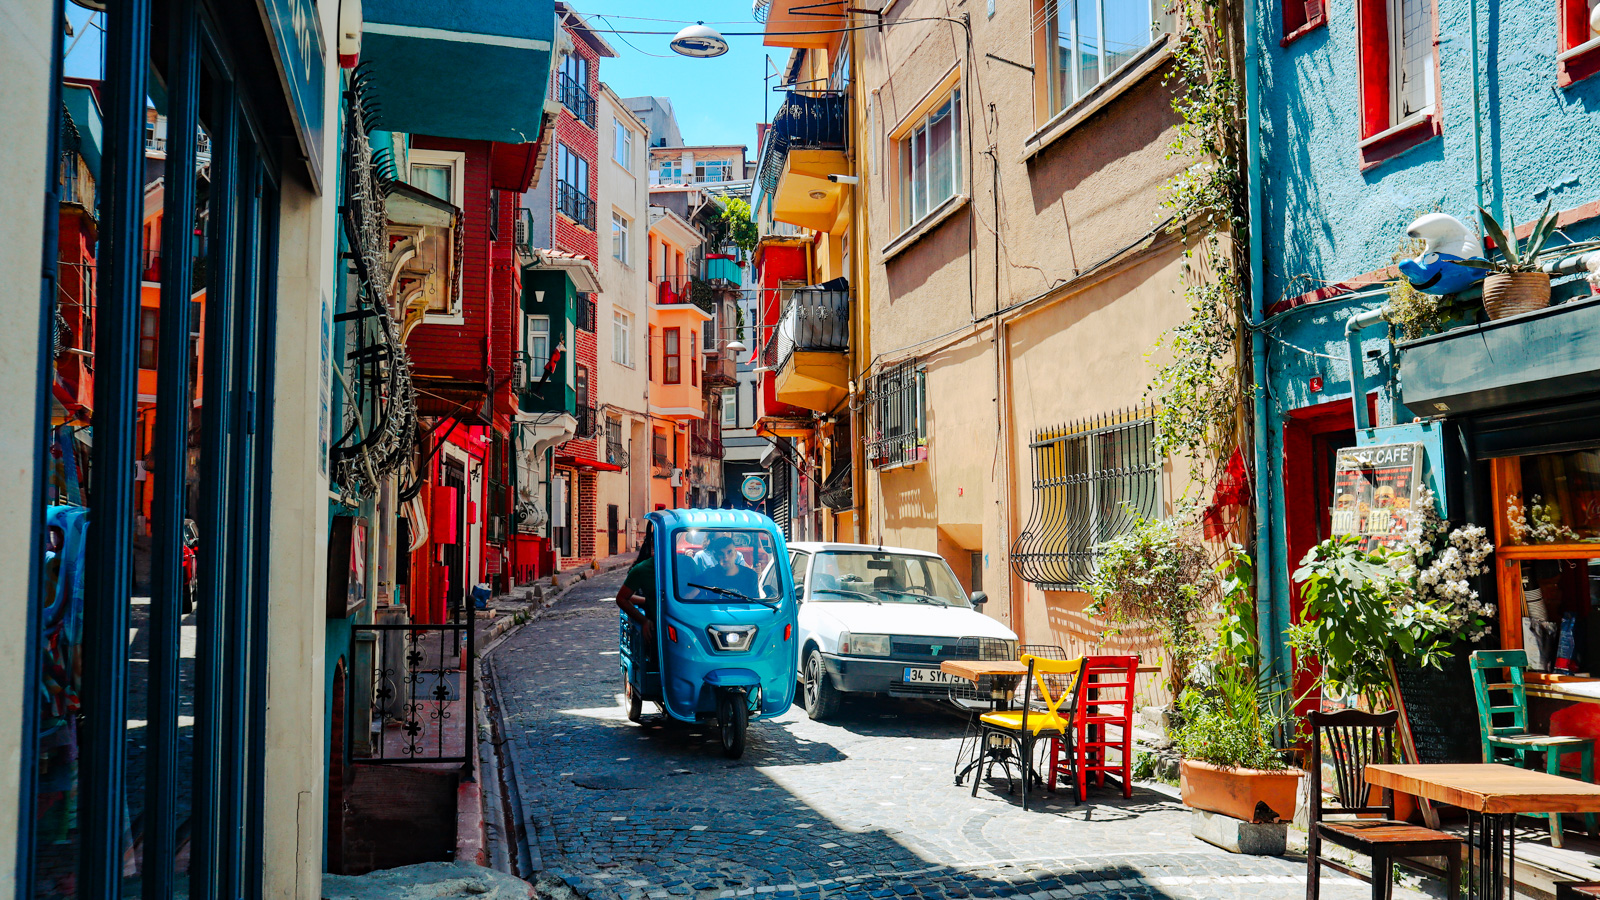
(1201,389)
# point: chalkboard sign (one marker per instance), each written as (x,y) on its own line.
(1439,712)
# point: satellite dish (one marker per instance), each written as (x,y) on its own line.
(700,41)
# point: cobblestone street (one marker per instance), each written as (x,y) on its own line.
(863,808)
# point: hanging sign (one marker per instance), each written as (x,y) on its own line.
(296,33)
(753,488)
(1374,491)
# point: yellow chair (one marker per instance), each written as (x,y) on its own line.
(1056,681)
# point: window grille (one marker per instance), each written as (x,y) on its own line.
(899,425)
(1092,479)
(584,312)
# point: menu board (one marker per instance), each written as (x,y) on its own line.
(1374,489)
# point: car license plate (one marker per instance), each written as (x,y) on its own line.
(919,675)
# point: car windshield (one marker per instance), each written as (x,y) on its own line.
(725,565)
(884,577)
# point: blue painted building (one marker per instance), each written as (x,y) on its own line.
(1367,114)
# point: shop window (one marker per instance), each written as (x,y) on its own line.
(1300,17)
(1579,48)
(1399,76)
(149,326)
(671,359)
(1092,480)
(899,424)
(929,169)
(1090,42)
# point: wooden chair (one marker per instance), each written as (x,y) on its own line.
(1587,890)
(1104,722)
(1356,739)
(1510,742)
(1023,727)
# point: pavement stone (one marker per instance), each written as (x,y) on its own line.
(863,808)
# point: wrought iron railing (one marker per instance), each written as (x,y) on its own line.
(575,203)
(584,312)
(1092,479)
(587,422)
(899,424)
(617,455)
(576,97)
(838,489)
(808,119)
(422,682)
(813,320)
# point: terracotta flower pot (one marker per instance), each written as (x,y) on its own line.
(1509,293)
(1253,795)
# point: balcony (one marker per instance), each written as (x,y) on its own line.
(576,98)
(808,141)
(724,270)
(469,69)
(583,317)
(721,370)
(675,290)
(588,422)
(809,350)
(575,203)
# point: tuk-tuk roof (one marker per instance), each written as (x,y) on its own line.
(671,519)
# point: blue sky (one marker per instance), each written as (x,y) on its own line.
(718,101)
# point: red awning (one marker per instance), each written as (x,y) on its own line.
(593,465)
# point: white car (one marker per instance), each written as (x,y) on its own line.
(880,620)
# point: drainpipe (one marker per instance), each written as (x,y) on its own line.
(1268,625)
(1358,374)
(1477,107)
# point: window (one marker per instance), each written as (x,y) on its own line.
(671,171)
(439,173)
(1090,40)
(619,239)
(659,449)
(713,170)
(650,352)
(538,346)
(694,359)
(615,453)
(899,426)
(1398,66)
(671,361)
(1092,480)
(622,144)
(572,187)
(580,386)
(1579,48)
(730,407)
(433,179)
(930,160)
(149,327)
(622,338)
(1300,17)
(572,86)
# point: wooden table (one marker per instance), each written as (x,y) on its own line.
(1004,675)
(1492,795)
(974,669)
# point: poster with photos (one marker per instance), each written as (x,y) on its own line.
(1374,490)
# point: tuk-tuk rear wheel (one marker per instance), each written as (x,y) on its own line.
(635,703)
(733,717)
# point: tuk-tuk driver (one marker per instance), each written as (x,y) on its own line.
(727,570)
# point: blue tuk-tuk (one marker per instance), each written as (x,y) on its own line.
(725,620)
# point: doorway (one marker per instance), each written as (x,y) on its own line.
(611,529)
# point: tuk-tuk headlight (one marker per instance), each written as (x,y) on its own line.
(869,645)
(731,638)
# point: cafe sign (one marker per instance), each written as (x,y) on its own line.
(1375,490)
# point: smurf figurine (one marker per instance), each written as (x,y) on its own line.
(1447,240)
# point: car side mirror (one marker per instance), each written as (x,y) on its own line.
(979,598)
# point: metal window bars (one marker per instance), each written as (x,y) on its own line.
(1092,479)
(584,312)
(576,98)
(899,426)
(420,681)
(575,203)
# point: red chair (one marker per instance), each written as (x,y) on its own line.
(1105,702)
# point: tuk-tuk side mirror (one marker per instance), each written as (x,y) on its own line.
(979,598)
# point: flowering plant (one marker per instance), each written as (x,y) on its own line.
(1364,608)
(1536,523)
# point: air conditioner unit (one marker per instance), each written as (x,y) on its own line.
(520,234)
(677,478)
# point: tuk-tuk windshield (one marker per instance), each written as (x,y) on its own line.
(723,565)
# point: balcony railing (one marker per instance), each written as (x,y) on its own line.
(706,445)
(584,312)
(723,269)
(813,320)
(672,289)
(808,120)
(588,422)
(576,97)
(575,203)
(77,182)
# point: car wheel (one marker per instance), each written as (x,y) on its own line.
(822,698)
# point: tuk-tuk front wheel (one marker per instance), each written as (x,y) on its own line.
(733,716)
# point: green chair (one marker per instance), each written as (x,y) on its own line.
(1509,742)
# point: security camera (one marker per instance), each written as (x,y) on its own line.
(844,179)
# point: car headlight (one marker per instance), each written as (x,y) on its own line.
(864,644)
(731,638)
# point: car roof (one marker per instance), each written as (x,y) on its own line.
(828,546)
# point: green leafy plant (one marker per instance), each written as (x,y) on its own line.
(1411,311)
(1515,257)
(1231,719)
(742,228)
(1156,576)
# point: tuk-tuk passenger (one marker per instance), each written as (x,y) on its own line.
(637,597)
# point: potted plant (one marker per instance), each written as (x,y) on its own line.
(1515,283)
(1226,727)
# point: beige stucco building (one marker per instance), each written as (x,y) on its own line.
(1012,270)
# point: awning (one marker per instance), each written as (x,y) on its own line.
(590,465)
(443,396)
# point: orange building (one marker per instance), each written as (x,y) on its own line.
(676,323)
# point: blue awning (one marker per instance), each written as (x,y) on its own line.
(469,69)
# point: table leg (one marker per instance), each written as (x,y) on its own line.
(1493,876)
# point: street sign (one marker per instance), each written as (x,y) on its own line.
(754,488)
